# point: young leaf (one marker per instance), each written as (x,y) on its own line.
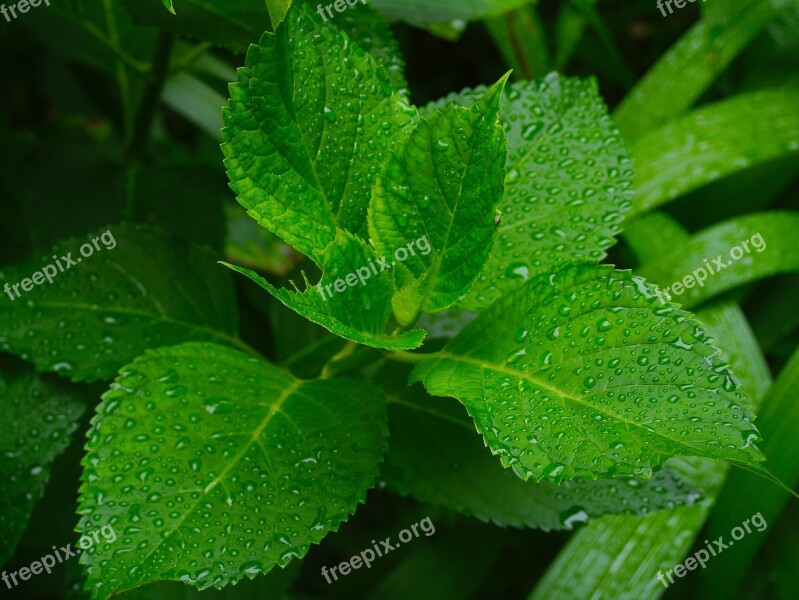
(39,413)
(436,456)
(99,314)
(568,185)
(584,374)
(444,185)
(309,124)
(352,300)
(223,466)
(277,10)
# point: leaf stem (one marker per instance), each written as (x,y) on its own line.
(347,350)
(413,358)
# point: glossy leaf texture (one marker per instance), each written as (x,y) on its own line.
(39,414)
(309,125)
(353,298)
(436,456)
(222,467)
(583,374)
(568,184)
(444,187)
(643,546)
(144,290)
(371,31)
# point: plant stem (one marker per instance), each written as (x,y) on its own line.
(152,94)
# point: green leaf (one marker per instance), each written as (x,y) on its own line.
(39,415)
(437,457)
(360,308)
(568,183)
(686,71)
(148,290)
(223,466)
(772,249)
(168,4)
(643,546)
(583,374)
(372,33)
(443,186)
(277,10)
(309,125)
(231,23)
(717,141)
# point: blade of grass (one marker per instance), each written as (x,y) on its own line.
(688,69)
(777,424)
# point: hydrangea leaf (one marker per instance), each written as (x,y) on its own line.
(359,308)
(222,467)
(436,456)
(372,33)
(584,373)
(39,414)
(568,185)
(444,185)
(148,290)
(309,125)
